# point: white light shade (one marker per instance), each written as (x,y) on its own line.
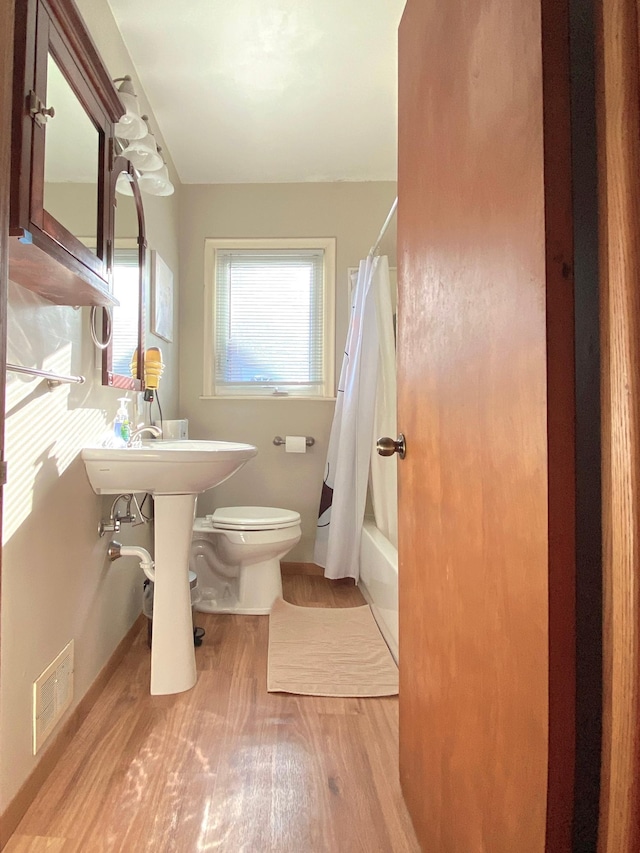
(131,125)
(123,185)
(157,182)
(143,154)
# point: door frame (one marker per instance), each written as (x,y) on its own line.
(618,75)
(7,9)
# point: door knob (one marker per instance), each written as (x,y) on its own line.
(388,446)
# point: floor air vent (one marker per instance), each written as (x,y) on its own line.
(52,695)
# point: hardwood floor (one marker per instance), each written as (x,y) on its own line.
(226,766)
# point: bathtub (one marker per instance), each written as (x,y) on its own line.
(379,581)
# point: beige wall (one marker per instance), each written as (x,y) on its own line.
(351,212)
(57,584)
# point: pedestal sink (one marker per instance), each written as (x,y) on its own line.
(174,472)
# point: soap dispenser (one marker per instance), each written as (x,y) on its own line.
(122,424)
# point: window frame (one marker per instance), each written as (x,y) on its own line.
(212,246)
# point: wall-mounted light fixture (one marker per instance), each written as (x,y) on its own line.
(131,125)
(157,182)
(138,145)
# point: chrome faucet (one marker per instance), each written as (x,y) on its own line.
(137,432)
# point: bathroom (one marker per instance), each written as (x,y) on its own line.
(502,584)
(57,584)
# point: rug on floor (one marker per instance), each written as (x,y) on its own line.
(328,651)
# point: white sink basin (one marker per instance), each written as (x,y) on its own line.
(164,467)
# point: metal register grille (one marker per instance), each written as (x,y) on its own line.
(52,695)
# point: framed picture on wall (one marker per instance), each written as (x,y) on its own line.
(161,298)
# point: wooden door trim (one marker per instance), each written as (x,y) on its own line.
(619,172)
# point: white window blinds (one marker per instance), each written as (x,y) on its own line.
(126,285)
(269,322)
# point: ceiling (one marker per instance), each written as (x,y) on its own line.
(255,91)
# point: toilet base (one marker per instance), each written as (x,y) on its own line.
(252,593)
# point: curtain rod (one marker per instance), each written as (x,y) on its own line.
(45,374)
(383,230)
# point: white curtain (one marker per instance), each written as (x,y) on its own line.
(344,489)
(384,469)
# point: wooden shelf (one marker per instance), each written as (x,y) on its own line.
(68,283)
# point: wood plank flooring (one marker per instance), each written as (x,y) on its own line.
(226,766)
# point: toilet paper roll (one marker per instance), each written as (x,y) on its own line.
(295,444)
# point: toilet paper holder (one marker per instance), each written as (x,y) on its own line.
(279,441)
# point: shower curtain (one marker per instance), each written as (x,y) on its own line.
(344,489)
(384,469)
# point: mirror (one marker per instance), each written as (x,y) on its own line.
(127,265)
(71,158)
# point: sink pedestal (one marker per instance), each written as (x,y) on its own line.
(173,660)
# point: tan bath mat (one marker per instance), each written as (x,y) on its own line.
(328,651)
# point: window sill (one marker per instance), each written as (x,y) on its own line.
(271,397)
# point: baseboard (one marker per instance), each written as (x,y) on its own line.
(18,806)
(301,569)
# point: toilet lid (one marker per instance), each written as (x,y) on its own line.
(254,518)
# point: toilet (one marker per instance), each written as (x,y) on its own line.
(236,553)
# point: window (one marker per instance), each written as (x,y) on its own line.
(126,286)
(269,318)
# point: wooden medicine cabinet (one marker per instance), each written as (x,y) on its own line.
(64,110)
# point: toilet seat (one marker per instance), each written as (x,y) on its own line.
(253,518)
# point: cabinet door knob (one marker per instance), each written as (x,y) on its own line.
(39,113)
(387,446)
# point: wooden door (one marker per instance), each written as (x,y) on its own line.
(486,402)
